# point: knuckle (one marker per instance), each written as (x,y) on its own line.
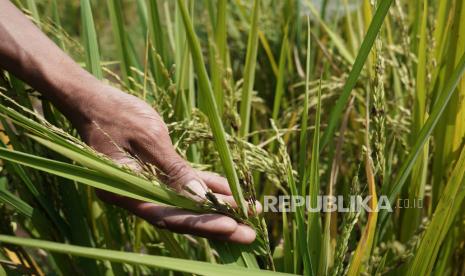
(229,225)
(160,223)
(145,134)
(150,138)
(177,170)
(159,218)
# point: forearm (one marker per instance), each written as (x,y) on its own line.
(31,56)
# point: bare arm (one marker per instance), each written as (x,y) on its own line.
(95,108)
(30,55)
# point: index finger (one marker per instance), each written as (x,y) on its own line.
(215,182)
(219,185)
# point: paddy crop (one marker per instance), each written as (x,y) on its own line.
(285,99)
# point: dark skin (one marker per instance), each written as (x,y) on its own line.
(105,116)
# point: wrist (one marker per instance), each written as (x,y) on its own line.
(76,94)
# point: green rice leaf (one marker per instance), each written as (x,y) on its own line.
(279,91)
(425,133)
(212,112)
(357,67)
(13,201)
(314,229)
(174,264)
(90,40)
(249,71)
(337,40)
(450,204)
(121,39)
(96,179)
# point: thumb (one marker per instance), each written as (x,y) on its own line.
(183,178)
(156,148)
(175,171)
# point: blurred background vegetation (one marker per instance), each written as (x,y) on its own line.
(383,77)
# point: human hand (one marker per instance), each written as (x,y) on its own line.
(122,126)
(113,123)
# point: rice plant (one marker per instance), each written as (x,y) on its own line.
(295,102)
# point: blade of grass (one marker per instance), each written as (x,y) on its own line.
(31,186)
(364,246)
(148,187)
(444,134)
(298,222)
(313,220)
(328,254)
(337,40)
(357,67)
(304,121)
(262,38)
(15,202)
(287,242)
(169,25)
(121,40)
(56,18)
(412,216)
(268,51)
(279,91)
(174,264)
(424,134)
(448,207)
(219,54)
(249,71)
(96,179)
(143,15)
(212,112)
(354,42)
(90,40)
(158,40)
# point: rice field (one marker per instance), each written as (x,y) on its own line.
(359,101)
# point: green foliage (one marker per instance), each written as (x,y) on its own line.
(269,122)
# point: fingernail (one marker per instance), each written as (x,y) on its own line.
(257,206)
(195,187)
